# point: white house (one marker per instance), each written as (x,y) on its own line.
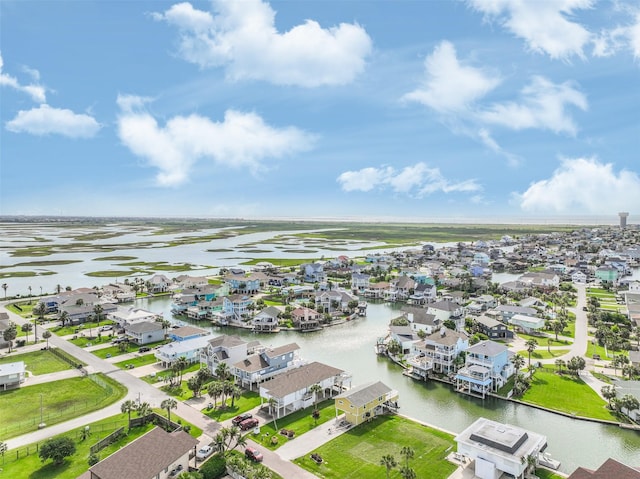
(145,332)
(499,448)
(190,349)
(290,390)
(12,374)
(224,349)
(126,316)
(527,324)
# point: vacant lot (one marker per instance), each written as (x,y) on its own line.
(38,362)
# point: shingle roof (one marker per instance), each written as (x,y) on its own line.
(144,327)
(227,341)
(145,457)
(365,393)
(488,348)
(609,470)
(299,378)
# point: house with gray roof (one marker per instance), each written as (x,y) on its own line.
(266,364)
(145,332)
(224,349)
(363,403)
(156,455)
(487,368)
(12,374)
(289,392)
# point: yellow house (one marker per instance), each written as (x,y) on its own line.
(364,402)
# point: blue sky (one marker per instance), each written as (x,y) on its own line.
(320,109)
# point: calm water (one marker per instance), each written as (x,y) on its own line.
(350,347)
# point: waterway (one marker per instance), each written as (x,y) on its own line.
(350,346)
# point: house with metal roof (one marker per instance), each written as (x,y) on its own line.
(363,403)
(487,368)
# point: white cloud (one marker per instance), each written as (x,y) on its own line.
(487,140)
(544,25)
(543,106)
(449,85)
(242,37)
(34,90)
(241,140)
(583,185)
(611,40)
(417,180)
(46,120)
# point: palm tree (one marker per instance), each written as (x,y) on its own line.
(609,393)
(518,361)
(5,286)
(46,335)
(143,410)
(315,389)
(40,310)
(64,317)
(169,404)
(215,391)
(26,328)
(407,473)
(389,462)
(10,334)
(560,364)
(407,452)
(531,344)
(222,371)
(181,364)
(97,311)
(128,406)
(235,392)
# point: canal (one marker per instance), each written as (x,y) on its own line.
(350,346)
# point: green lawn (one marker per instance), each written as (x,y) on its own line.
(600,350)
(167,373)
(29,464)
(84,341)
(542,340)
(543,353)
(566,393)
(299,422)
(79,328)
(112,351)
(138,361)
(244,403)
(38,362)
(61,400)
(357,453)
(546,474)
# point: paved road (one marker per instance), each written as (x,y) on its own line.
(140,390)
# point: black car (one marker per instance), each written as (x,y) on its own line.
(144,349)
(238,419)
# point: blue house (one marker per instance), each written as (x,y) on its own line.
(487,368)
(313,273)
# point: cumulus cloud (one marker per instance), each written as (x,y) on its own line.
(417,180)
(34,90)
(583,185)
(545,26)
(46,120)
(449,85)
(242,38)
(543,106)
(241,140)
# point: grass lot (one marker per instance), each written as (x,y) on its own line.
(61,400)
(138,361)
(543,353)
(29,464)
(546,474)
(542,341)
(600,350)
(566,393)
(79,328)
(357,453)
(299,422)
(167,374)
(244,403)
(38,362)
(26,308)
(84,341)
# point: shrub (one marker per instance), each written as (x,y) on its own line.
(214,468)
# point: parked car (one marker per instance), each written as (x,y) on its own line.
(253,454)
(248,423)
(242,417)
(203,453)
(107,327)
(144,349)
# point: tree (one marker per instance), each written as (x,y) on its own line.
(40,310)
(235,392)
(179,366)
(128,407)
(143,410)
(518,361)
(609,393)
(190,475)
(315,389)
(5,286)
(215,391)
(222,371)
(46,335)
(407,473)
(26,328)
(57,449)
(169,404)
(629,403)
(64,317)
(228,438)
(389,462)
(3,449)
(531,345)
(394,347)
(10,334)
(560,364)
(97,312)
(407,452)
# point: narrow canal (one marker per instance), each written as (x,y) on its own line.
(350,346)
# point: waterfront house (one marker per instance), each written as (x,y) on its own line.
(266,364)
(365,402)
(305,319)
(487,369)
(541,280)
(506,311)
(527,324)
(124,317)
(442,348)
(288,392)
(405,336)
(190,349)
(377,290)
(204,309)
(185,281)
(420,319)
(184,333)
(244,284)
(404,287)
(159,283)
(155,455)
(335,300)
(266,320)
(359,282)
(444,310)
(313,273)
(80,312)
(236,307)
(423,293)
(499,448)
(144,332)
(12,374)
